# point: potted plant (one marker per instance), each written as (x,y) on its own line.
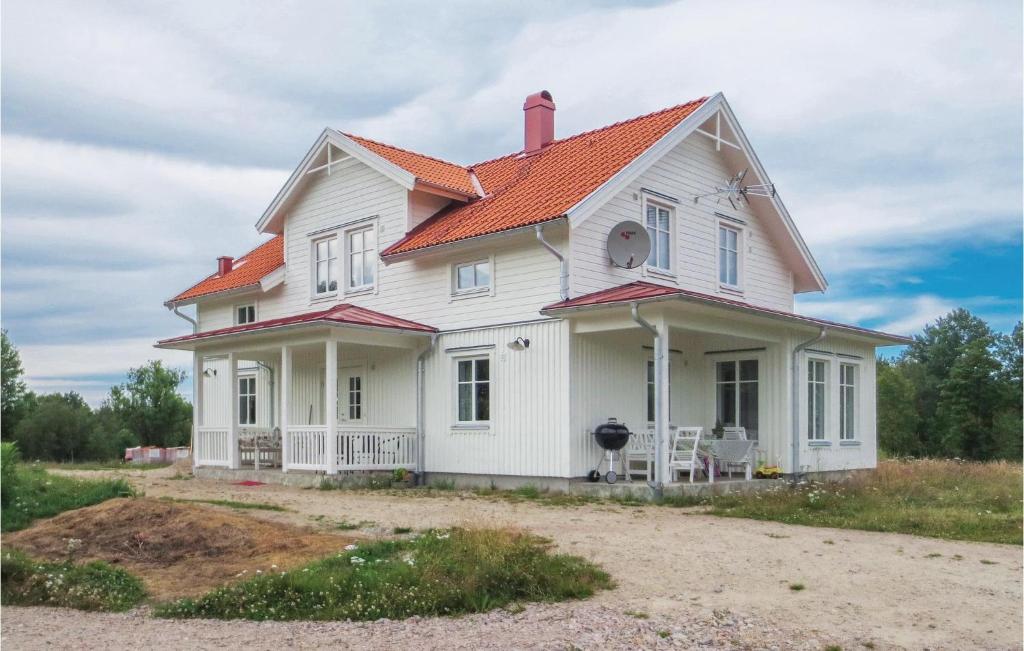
(718,431)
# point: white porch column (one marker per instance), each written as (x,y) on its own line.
(197,402)
(285,394)
(234,461)
(331,404)
(663,400)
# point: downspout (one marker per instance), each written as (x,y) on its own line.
(795,400)
(659,433)
(563,279)
(270,371)
(173,307)
(421,435)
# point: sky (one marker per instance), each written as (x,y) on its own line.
(142,140)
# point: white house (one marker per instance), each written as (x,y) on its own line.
(467,322)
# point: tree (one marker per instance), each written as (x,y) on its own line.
(149,405)
(932,355)
(109,436)
(15,399)
(58,429)
(968,400)
(896,414)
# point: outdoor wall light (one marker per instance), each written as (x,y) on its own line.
(210,372)
(519,343)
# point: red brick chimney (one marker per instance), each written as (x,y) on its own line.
(224,263)
(540,121)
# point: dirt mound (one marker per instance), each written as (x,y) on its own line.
(177,549)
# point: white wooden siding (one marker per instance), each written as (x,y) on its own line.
(529,404)
(525,275)
(836,456)
(693,167)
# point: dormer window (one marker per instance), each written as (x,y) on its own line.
(245,314)
(326,273)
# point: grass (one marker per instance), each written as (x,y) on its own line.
(437,573)
(92,586)
(797,587)
(232,504)
(114,464)
(34,493)
(936,498)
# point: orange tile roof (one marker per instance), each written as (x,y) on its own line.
(247,271)
(426,168)
(520,190)
(526,190)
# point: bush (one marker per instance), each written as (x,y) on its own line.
(438,573)
(9,457)
(38,494)
(93,586)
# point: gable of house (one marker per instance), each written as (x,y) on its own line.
(424,217)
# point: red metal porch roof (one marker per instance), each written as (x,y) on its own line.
(342,314)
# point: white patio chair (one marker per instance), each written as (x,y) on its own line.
(684,455)
(735,434)
(640,449)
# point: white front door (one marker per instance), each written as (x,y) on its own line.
(352,394)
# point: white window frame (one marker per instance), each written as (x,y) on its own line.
(243,306)
(250,381)
(649,389)
(736,359)
(456,383)
(314,265)
(341,236)
(849,392)
(342,407)
(648,266)
(348,253)
(813,437)
(476,290)
(727,225)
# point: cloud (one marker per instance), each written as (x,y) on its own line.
(143,140)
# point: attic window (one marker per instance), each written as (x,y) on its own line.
(245,314)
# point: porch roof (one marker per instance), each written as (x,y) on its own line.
(644,292)
(343,314)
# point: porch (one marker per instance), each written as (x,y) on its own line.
(330,394)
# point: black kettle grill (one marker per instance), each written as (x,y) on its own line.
(612,437)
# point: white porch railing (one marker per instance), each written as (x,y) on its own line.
(212,446)
(376,448)
(306,447)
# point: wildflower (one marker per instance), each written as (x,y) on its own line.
(350,548)
(355,560)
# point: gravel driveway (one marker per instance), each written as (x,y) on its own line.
(697,580)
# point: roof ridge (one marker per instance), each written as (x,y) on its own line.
(599,129)
(407,151)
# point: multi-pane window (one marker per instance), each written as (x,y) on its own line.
(651,393)
(472,276)
(355,397)
(816,374)
(728,256)
(847,402)
(326,252)
(474,390)
(247,401)
(362,258)
(736,395)
(659,227)
(245,314)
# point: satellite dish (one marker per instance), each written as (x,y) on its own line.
(628,244)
